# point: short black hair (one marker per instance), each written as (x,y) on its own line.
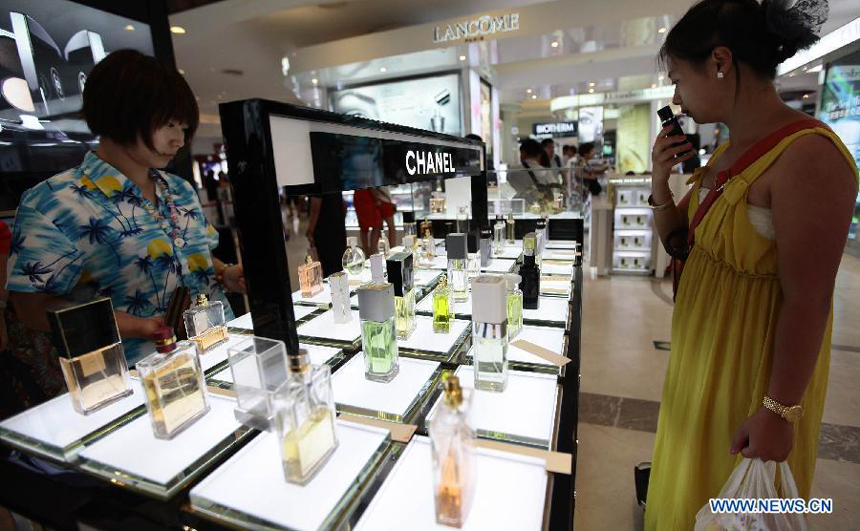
(585,148)
(129,95)
(530,147)
(473,136)
(759,35)
(547,141)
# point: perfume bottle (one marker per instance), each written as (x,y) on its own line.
(486,246)
(378,334)
(437,203)
(305,418)
(540,240)
(259,367)
(499,238)
(452,440)
(91,354)
(510,226)
(378,273)
(426,226)
(443,307)
(400,275)
(515,305)
(530,273)
(173,382)
(474,258)
(340,307)
(429,246)
(382,247)
(205,324)
(455,245)
(490,332)
(409,227)
(310,277)
(408,243)
(353,257)
(463,219)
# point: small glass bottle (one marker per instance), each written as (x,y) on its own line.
(378,272)
(490,333)
(499,238)
(510,225)
(452,440)
(91,355)
(426,226)
(530,273)
(310,277)
(474,258)
(400,275)
(340,306)
(463,219)
(173,383)
(443,307)
(456,247)
(378,333)
(540,240)
(486,246)
(353,257)
(382,247)
(515,305)
(305,418)
(409,227)
(408,243)
(429,246)
(205,324)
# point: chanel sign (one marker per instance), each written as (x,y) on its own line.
(479,27)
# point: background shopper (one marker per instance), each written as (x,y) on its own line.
(753,309)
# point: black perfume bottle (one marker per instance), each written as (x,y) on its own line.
(670,120)
(530,273)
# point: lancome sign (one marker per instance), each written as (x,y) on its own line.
(479,27)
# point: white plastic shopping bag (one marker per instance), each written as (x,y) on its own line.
(754,479)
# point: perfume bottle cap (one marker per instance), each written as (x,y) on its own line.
(83,327)
(541,224)
(308,260)
(408,217)
(164,339)
(351,241)
(376,301)
(443,281)
(377,268)
(529,244)
(428,233)
(455,245)
(299,362)
(472,242)
(665,113)
(453,391)
(489,299)
(339,281)
(513,281)
(400,272)
(486,233)
(201,300)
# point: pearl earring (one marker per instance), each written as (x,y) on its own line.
(720,75)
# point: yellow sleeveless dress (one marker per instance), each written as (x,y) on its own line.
(723,331)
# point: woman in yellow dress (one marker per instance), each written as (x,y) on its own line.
(752,322)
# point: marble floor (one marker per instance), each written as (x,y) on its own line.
(622,378)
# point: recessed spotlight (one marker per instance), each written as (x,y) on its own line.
(653,85)
(591,91)
(383,69)
(534,96)
(528,91)
(462,57)
(661,30)
(129,28)
(554,44)
(591,84)
(181,71)
(806,96)
(179,30)
(315,80)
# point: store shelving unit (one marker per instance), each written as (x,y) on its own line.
(633,227)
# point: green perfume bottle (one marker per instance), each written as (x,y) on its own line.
(515,305)
(443,307)
(378,335)
(400,275)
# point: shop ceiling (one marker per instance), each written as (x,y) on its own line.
(234,49)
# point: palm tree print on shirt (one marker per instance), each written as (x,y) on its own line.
(98,231)
(136,304)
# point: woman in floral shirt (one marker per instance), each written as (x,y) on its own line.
(116,226)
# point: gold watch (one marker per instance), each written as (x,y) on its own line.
(789,413)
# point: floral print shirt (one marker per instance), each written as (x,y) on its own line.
(89,232)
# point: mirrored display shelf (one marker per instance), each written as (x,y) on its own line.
(424,343)
(319,354)
(554,339)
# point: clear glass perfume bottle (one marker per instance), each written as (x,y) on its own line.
(456,247)
(91,354)
(205,323)
(452,440)
(530,273)
(510,229)
(443,307)
(515,305)
(305,418)
(378,272)
(310,277)
(259,367)
(353,257)
(378,334)
(173,382)
(473,256)
(340,306)
(400,275)
(382,247)
(463,219)
(490,333)
(540,241)
(499,238)
(486,246)
(429,246)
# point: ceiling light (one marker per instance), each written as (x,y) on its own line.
(181,71)
(462,57)
(591,91)
(534,96)
(591,84)
(129,28)
(661,30)
(528,91)
(653,85)
(314,80)
(554,44)
(805,96)
(179,30)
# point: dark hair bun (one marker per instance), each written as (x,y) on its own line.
(795,28)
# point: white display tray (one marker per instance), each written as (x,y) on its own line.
(393,400)
(499,265)
(559,254)
(218,355)
(319,355)
(423,338)
(461,308)
(425,277)
(556,269)
(439,262)
(523,413)
(510,252)
(323,327)
(250,491)
(244,322)
(510,493)
(549,338)
(561,244)
(55,430)
(555,288)
(323,298)
(132,456)
(550,310)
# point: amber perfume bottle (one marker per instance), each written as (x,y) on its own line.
(400,275)
(205,323)
(310,277)
(452,439)
(305,418)
(91,355)
(426,226)
(173,382)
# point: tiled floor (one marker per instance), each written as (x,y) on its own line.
(622,379)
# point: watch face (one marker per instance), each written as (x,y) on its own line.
(793,413)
